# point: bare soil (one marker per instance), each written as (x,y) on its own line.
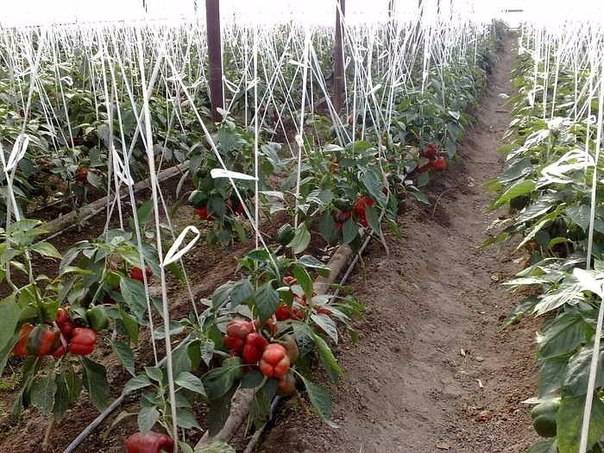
(434,370)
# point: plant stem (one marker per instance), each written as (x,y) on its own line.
(46,441)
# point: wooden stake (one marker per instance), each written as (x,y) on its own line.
(214,57)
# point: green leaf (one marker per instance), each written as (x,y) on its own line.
(569,419)
(123,351)
(551,375)
(327,358)
(563,335)
(304,280)
(190,382)
(186,420)
(136,383)
(252,379)
(96,382)
(46,249)
(131,326)
(575,381)
(544,446)
(9,317)
(147,417)
(520,188)
(373,218)
(327,227)
(313,263)
(266,301)
(219,381)
(241,292)
(319,398)
(327,325)
(216,446)
(301,239)
(154,373)
(261,404)
(42,393)
(62,400)
(133,293)
(350,230)
(374,185)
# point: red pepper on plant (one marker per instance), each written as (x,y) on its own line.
(64,323)
(440,164)
(431,151)
(204,213)
(83,341)
(274,362)
(149,442)
(43,340)
(342,216)
(361,205)
(136,273)
(237,331)
(20,349)
(253,348)
(289,280)
(82,175)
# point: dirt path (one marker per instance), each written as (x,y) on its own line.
(433,371)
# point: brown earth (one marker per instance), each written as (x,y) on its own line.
(434,371)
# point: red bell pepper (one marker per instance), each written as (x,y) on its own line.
(254,347)
(149,442)
(82,341)
(136,273)
(275,362)
(20,349)
(43,340)
(64,323)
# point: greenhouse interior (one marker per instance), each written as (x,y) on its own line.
(311,226)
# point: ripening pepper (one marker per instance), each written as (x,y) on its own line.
(274,362)
(431,151)
(204,213)
(20,349)
(237,331)
(287,385)
(64,323)
(43,340)
(136,273)
(83,341)
(361,205)
(149,442)
(253,348)
(440,164)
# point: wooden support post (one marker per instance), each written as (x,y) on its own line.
(338,55)
(420,8)
(451,10)
(214,57)
(438,9)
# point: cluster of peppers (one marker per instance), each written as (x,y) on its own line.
(358,212)
(436,161)
(272,359)
(61,336)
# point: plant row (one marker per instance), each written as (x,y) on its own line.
(264,330)
(547,183)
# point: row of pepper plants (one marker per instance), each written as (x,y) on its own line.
(265,330)
(547,184)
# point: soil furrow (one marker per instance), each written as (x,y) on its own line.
(433,370)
